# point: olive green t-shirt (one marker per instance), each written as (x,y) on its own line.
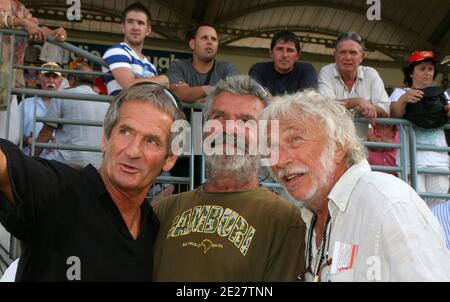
(241,236)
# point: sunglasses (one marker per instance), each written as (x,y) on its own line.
(349,35)
(155,87)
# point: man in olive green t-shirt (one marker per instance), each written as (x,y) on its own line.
(230,229)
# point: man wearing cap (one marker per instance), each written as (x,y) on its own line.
(66,134)
(37,106)
(126,61)
(359,88)
(284,74)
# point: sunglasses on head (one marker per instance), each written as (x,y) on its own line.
(167,92)
(349,35)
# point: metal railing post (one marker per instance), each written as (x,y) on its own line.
(192,155)
(412,157)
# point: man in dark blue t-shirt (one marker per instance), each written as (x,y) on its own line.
(284,74)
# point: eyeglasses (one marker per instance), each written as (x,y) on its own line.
(167,92)
(349,35)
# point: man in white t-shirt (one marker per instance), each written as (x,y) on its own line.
(126,61)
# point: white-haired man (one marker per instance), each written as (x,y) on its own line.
(361,225)
(229,229)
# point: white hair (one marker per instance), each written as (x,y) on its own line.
(332,115)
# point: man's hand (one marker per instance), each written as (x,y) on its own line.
(367,110)
(35,33)
(59,34)
(179,85)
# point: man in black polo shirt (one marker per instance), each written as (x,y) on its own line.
(284,74)
(92,225)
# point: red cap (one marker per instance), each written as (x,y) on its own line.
(421,55)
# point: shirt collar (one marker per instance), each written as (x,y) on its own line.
(94,178)
(340,194)
(359,73)
(96,181)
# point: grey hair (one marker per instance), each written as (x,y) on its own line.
(155,94)
(237,85)
(333,116)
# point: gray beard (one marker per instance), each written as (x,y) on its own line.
(242,168)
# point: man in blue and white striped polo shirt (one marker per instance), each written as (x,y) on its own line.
(126,61)
(442,213)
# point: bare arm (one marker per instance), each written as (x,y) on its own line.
(398,108)
(367,109)
(189,94)
(44,136)
(5,184)
(125,77)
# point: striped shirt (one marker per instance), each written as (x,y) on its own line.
(442,213)
(122,55)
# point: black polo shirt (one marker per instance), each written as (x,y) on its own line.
(302,77)
(69,225)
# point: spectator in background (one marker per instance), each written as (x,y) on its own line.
(383,156)
(37,106)
(442,213)
(284,74)
(444,83)
(79,60)
(66,134)
(32,78)
(419,74)
(191,79)
(126,61)
(100,86)
(15,15)
(359,88)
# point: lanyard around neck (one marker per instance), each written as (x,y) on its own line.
(325,241)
